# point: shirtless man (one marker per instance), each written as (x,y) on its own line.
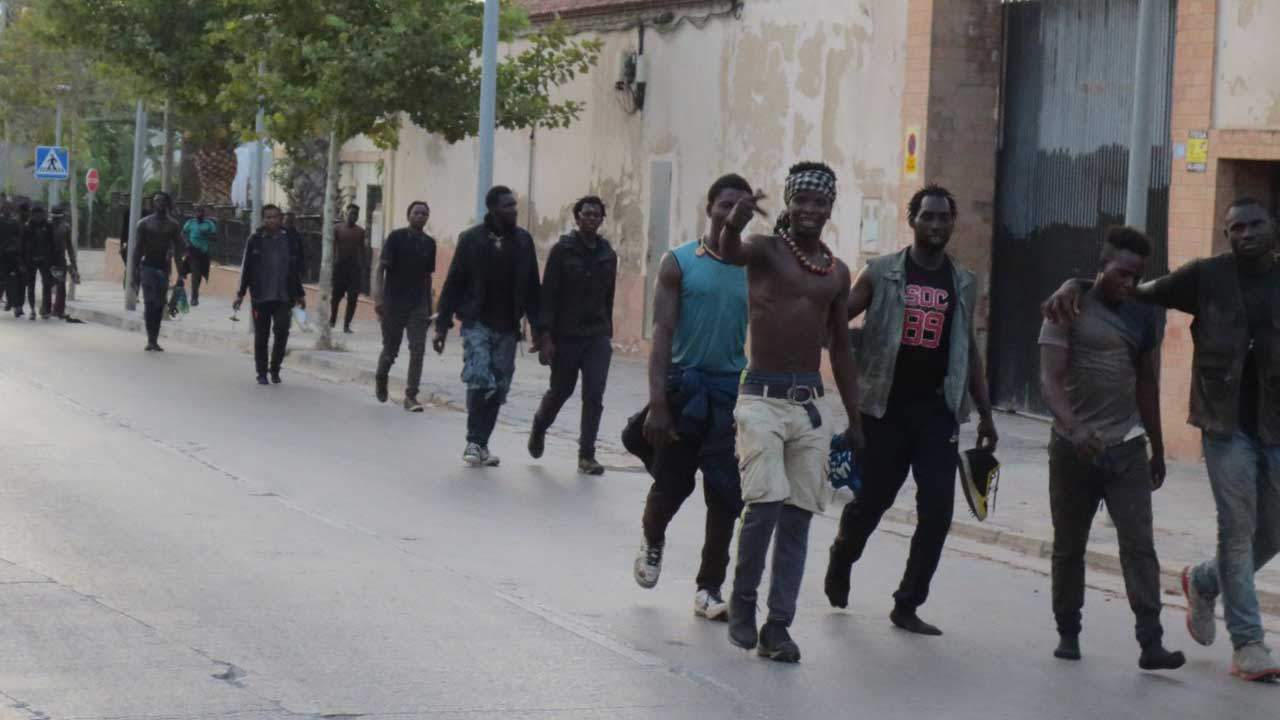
(796,291)
(159,248)
(348,267)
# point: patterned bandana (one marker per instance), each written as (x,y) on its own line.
(810,181)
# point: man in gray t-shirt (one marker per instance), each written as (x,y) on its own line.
(1100,378)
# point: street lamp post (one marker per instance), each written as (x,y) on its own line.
(54,196)
(488,103)
(135,206)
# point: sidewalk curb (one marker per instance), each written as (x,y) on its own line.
(352,371)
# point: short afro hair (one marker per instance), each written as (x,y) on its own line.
(930,190)
(732,181)
(1123,237)
(495,194)
(588,200)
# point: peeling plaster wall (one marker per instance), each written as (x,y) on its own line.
(791,80)
(1247,74)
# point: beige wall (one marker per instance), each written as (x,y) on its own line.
(791,80)
(1247,87)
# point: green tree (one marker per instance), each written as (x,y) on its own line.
(342,68)
(169,47)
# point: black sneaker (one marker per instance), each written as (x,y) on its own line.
(275,378)
(979,477)
(262,380)
(742,625)
(589,466)
(1068,647)
(380,388)
(777,645)
(836,584)
(537,442)
(412,405)
(347,330)
(908,620)
(1155,657)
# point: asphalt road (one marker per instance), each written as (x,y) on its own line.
(177,542)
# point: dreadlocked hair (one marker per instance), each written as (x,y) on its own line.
(930,190)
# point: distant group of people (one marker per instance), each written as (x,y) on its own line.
(36,246)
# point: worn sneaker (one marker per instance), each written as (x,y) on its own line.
(537,442)
(488,458)
(979,476)
(1201,625)
(742,625)
(777,645)
(380,388)
(589,466)
(1254,663)
(708,604)
(473,456)
(412,405)
(648,564)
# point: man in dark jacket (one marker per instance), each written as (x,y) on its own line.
(37,238)
(62,264)
(11,270)
(402,300)
(577,314)
(492,284)
(272,271)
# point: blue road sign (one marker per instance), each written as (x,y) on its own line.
(51,163)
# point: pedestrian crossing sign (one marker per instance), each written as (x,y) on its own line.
(51,163)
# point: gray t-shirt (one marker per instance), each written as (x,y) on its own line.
(1104,344)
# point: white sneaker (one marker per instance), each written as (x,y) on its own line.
(709,605)
(474,455)
(648,564)
(1254,663)
(488,459)
(1201,625)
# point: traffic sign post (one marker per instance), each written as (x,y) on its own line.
(91,184)
(51,162)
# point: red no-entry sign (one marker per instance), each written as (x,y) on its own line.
(91,180)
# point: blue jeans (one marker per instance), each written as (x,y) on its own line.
(488,365)
(1245,476)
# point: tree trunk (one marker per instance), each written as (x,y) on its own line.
(324,340)
(216,171)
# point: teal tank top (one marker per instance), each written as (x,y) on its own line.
(712,332)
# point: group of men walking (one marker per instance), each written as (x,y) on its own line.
(34,246)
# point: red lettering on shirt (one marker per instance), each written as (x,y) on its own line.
(925,317)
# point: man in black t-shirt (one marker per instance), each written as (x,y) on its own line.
(403,300)
(919,364)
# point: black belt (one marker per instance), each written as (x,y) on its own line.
(802,395)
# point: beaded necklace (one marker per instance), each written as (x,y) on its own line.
(804,261)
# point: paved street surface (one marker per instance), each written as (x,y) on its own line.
(178,542)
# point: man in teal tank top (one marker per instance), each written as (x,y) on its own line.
(699,334)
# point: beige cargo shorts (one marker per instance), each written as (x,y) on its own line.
(782,457)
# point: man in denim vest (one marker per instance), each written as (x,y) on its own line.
(1235,401)
(918,362)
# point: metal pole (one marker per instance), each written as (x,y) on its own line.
(135,206)
(1142,131)
(75,225)
(488,103)
(57,140)
(259,171)
(166,163)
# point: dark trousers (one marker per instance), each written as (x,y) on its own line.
(674,469)
(346,283)
(1122,477)
(269,316)
(13,278)
(29,274)
(482,415)
(921,438)
(198,269)
(155,286)
(589,356)
(788,527)
(396,321)
(53,291)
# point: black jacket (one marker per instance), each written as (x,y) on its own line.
(577,288)
(11,241)
(38,243)
(252,277)
(466,284)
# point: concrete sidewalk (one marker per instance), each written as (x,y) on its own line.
(1185,518)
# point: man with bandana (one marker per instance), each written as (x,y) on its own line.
(919,366)
(797,291)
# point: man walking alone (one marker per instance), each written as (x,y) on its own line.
(348,267)
(199,232)
(491,286)
(577,315)
(159,240)
(403,300)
